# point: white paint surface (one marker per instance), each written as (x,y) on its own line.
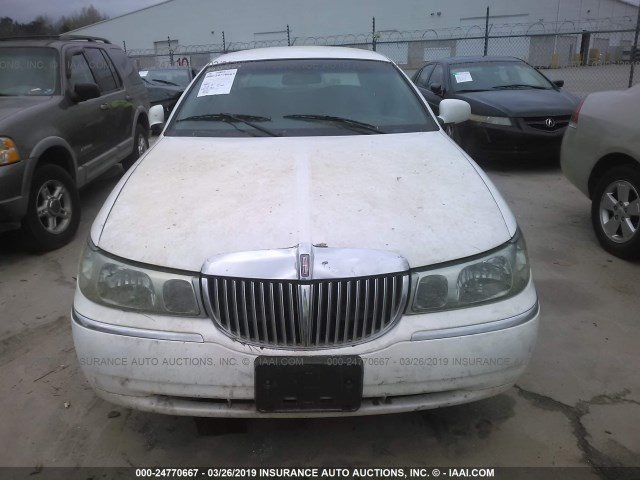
(190,198)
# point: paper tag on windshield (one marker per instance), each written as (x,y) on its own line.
(463,77)
(217,83)
(143,73)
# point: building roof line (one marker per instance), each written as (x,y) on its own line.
(123,15)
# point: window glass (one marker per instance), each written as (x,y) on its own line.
(125,65)
(496,76)
(101,70)
(424,76)
(437,76)
(80,71)
(283,95)
(33,71)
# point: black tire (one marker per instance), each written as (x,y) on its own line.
(615,215)
(53,211)
(140,145)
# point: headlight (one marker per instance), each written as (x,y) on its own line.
(114,283)
(505,121)
(498,274)
(8,151)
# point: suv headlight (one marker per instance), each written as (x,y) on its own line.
(8,151)
(505,121)
(500,273)
(114,283)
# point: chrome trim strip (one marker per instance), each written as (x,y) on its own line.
(479,328)
(134,332)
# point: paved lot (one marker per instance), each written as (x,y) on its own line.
(577,405)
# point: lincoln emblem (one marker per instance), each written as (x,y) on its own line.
(304,265)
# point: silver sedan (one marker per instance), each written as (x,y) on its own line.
(601,156)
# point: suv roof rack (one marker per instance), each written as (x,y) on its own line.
(87,38)
(63,36)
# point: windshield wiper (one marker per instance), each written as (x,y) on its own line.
(519,85)
(166,82)
(472,90)
(347,122)
(233,117)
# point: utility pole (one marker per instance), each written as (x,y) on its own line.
(634,49)
(374,34)
(486,34)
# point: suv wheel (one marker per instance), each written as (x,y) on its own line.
(140,145)
(615,211)
(53,212)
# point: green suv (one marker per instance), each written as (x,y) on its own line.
(70,108)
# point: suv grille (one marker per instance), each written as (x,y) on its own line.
(541,123)
(321,313)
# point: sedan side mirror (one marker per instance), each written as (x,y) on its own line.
(454,111)
(436,88)
(558,83)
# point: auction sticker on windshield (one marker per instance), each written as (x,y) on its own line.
(217,83)
(463,77)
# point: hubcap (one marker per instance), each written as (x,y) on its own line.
(53,205)
(620,211)
(142,145)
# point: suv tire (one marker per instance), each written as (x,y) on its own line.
(140,145)
(53,211)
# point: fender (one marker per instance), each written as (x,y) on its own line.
(34,160)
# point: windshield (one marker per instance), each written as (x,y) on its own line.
(28,71)
(167,76)
(300,97)
(482,76)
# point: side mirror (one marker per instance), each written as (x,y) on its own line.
(86,91)
(453,111)
(558,83)
(436,88)
(156,117)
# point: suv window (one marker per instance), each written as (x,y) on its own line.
(125,65)
(28,71)
(103,72)
(80,71)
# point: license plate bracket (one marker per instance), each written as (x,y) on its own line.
(317,383)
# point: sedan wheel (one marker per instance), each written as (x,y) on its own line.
(616,211)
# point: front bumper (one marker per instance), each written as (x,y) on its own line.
(13,201)
(193,369)
(516,142)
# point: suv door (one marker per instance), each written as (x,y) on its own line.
(90,141)
(115,100)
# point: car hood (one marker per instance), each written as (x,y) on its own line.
(415,194)
(521,102)
(10,106)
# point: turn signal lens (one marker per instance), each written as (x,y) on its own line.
(8,151)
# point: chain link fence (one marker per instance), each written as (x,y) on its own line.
(588,56)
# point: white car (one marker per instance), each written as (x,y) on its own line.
(601,156)
(304,239)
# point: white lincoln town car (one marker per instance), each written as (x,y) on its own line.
(304,239)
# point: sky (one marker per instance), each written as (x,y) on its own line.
(27,10)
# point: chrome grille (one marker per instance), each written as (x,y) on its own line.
(299,314)
(539,123)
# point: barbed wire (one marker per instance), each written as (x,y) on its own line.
(496,30)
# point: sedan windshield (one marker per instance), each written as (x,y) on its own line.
(483,76)
(28,71)
(301,97)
